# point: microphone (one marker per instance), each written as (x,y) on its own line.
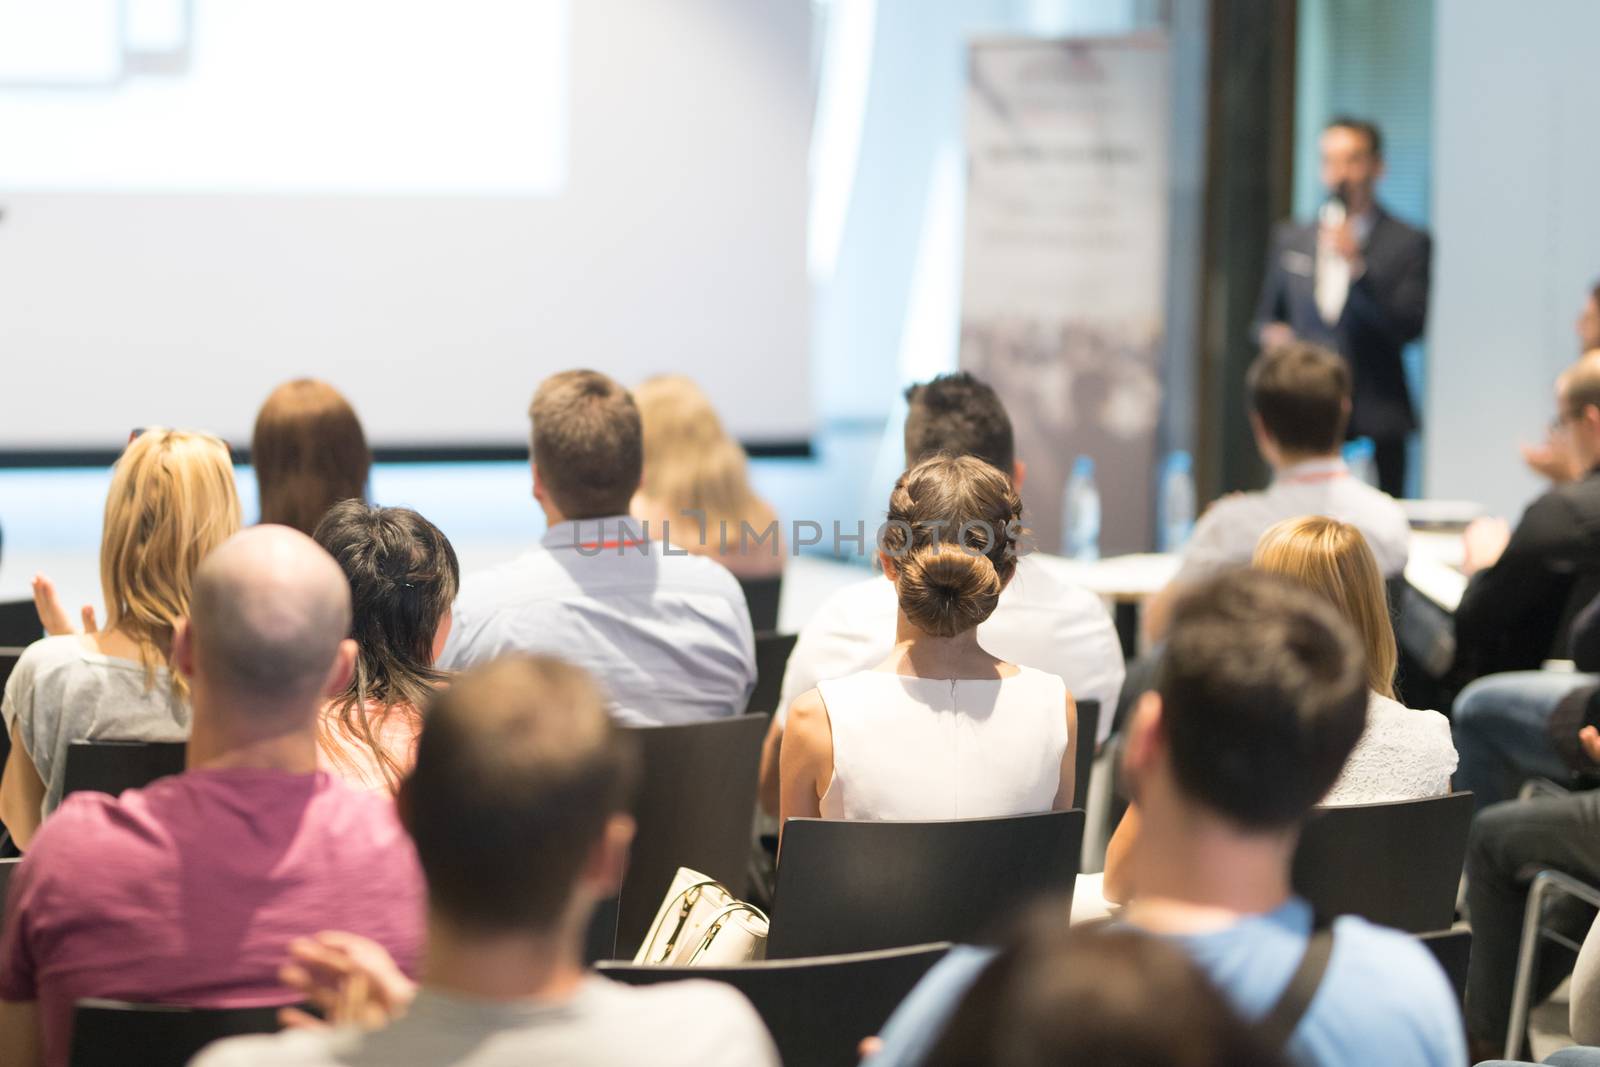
(1333,211)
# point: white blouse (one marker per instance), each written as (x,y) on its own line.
(940,748)
(1403,754)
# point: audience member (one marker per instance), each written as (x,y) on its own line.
(697,484)
(1553,457)
(941,729)
(189,891)
(1508,841)
(172,500)
(1525,586)
(403,577)
(309,453)
(1041,621)
(1299,397)
(1260,697)
(518,809)
(1059,996)
(666,633)
(1402,754)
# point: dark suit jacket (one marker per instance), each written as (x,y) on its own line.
(1516,614)
(1384,312)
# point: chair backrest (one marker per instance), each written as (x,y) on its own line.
(1088,729)
(856,886)
(1397,864)
(8,662)
(817,1009)
(8,867)
(772,659)
(761,596)
(600,943)
(114,1033)
(1453,950)
(695,804)
(19,623)
(112,766)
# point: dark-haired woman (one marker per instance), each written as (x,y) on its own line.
(309,452)
(941,729)
(403,577)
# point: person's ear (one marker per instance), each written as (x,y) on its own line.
(538,484)
(342,669)
(608,859)
(442,635)
(1019,471)
(886,561)
(183,648)
(1146,737)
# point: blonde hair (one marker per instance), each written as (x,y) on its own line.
(1333,559)
(692,464)
(172,500)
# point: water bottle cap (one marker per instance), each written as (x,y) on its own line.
(1180,462)
(1083,467)
(1361,448)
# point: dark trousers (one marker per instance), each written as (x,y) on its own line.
(1510,842)
(1389,457)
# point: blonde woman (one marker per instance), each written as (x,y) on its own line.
(172,500)
(692,465)
(1403,754)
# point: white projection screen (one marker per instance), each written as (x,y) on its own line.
(430,203)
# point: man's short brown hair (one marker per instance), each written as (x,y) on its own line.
(518,769)
(1301,392)
(587,443)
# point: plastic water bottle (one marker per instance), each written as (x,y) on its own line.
(1360,455)
(1177,501)
(1080,513)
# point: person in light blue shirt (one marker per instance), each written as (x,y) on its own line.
(1259,700)
(667,633)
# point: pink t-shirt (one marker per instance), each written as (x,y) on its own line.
(188,892)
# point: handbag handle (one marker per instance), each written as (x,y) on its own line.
(714,927)
(683,915)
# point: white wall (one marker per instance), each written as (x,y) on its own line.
(1516,229)
(676,244)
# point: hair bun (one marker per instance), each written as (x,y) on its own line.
(946,589)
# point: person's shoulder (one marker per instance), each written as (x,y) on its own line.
(725,1026)
(88,828)
(1401,228)
(51,654)
(290,1048)
(1040,578)
(1379,966)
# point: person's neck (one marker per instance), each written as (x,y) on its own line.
(519,966)
(930,656)
(1197,871)
(229,733)
(1283,462)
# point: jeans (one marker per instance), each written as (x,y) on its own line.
(1499,727)
(1508,844)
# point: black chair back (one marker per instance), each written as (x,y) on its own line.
(8,663)
(8,867)
(761,596)
(856,886)
(1397,864)
(1088,729)
(601,941)
(19,623)
(696,801)
(112,766)
(1453,950)
(772,659)
(114,1033)
(817,1009)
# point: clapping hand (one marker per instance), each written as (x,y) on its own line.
(353,980)
(1483,543)
(1589,738)
(52,616)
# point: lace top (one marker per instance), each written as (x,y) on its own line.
(1402,755)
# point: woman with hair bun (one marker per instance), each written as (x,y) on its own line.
(941,729)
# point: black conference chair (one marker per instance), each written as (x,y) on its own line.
(855,886)
(1088,728)
(8,662)
(115,1033)
(817,1009)
(19,623)
(696,797)
(601,941)
(1453,950)
(1397,864)
(112,766)
(772,658)
(761,596)
(8,867)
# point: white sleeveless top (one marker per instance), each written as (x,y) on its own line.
(1404,754)
(936,748)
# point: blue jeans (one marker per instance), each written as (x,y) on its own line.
(1499,723)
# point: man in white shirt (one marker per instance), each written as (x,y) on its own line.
(518,809)
(1299,397)
(666,633)
(1041,622)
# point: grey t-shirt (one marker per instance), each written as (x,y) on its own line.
(62,691)
(676,1024)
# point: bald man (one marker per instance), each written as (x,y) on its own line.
(189,891)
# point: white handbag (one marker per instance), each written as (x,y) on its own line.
(701,924)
